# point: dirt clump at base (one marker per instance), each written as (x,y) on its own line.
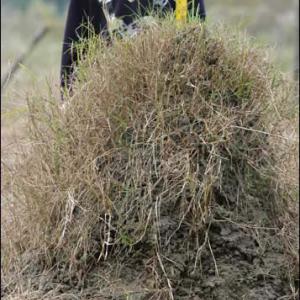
(160,178)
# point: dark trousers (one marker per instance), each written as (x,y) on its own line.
(80,12)
(90,12)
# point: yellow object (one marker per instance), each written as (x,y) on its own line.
(181,10)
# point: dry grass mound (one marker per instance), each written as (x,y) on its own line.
(161,172)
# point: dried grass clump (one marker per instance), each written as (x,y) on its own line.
(160,131)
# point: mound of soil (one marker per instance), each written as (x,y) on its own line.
(160,177)
(235,262)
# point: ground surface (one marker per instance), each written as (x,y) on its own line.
(238,262)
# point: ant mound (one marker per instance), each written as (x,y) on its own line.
(165,176)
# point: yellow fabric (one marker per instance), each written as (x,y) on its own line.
(181,10)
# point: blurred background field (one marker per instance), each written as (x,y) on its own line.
(272,22)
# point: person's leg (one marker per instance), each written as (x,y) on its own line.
(80,12)
(201,12)
(97,18)
(197,8)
